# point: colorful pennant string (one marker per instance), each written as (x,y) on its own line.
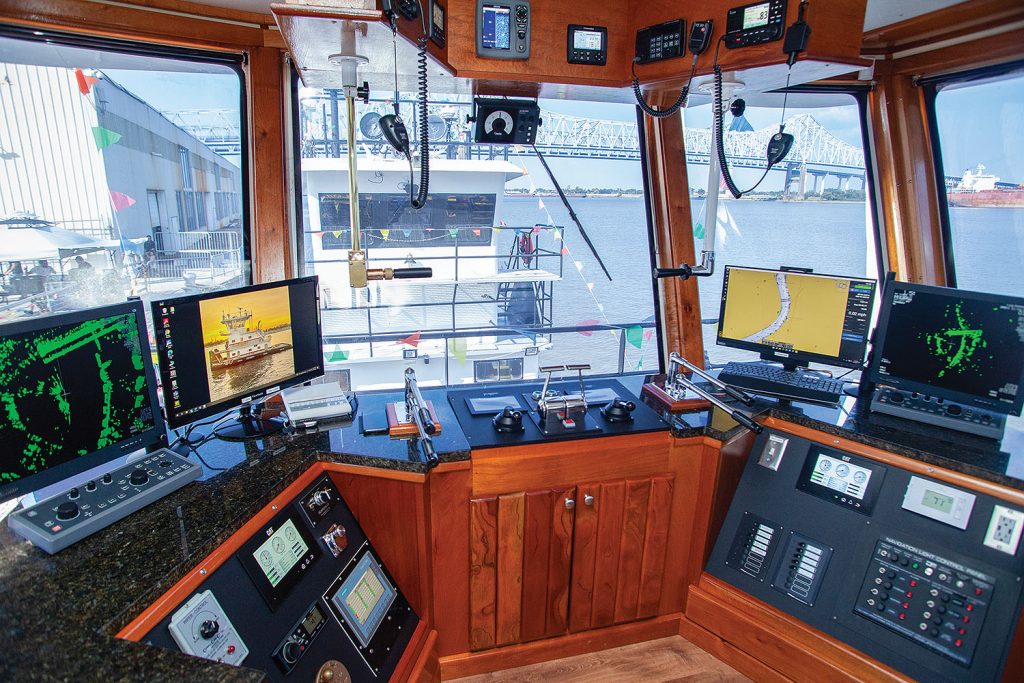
(85,83)
(337,355)
(120,200)
(412,340)
(104,138)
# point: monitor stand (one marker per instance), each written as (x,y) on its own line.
(249,426)
(788,366)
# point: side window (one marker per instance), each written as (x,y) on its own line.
(813,210)
(107,159)
(978,139)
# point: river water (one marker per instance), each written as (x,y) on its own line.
(829,237)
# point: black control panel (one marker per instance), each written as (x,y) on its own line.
(587,45)
(922,575)
(760,22)
(330,599)
(929,599)
(663,41)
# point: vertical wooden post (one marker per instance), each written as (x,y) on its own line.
(269,196)
(906,179)
(673,230)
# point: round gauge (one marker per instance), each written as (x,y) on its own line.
(825,465)
(842,470)
(291,534)
(265,557)
(860,477)
(278,545)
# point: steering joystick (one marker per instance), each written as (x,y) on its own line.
(508,421)
(619,410)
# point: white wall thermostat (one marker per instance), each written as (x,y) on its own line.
(1004,529)
(940,502)
(201,628)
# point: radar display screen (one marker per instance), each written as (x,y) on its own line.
(956,344)
(72,389)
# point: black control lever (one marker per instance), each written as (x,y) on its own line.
(685,272)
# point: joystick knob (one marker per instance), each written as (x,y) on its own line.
(508,421)
(208,629)
(138,477)
(67,510)
(619,410)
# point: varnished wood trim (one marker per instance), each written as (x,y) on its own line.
(1004,493)
(446,467)
(552,464)
(179,592)
(780,641)
(375,472)
(945,59)
(509,603)
(483,576)
(729,653)
(468,664)
(960,19)
(906,179)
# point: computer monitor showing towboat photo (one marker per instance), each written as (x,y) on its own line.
(225,349)
(796,317)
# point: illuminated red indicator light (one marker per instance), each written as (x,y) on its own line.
(967,619)
(958,642)
(970,608)
(910,594)
(977,591)
(231,649)
(902,615)
(913,583)
(906,605)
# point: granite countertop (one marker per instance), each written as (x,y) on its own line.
(58,613)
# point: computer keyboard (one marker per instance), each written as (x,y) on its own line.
(768,379)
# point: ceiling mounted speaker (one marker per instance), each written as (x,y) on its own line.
(369,125)
(437,127)
(505,122)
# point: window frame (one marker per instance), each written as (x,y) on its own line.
(235,61)
(931,87)
(298,241)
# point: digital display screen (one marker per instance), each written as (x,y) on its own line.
(438,16)
(219,350)
(364,598)
(937,501)
(586,40)
(842,477)
(755,15)
(481,405)
(312,620)
(949,339)
(496,31)
(283,550)
(827,317)
(70,390)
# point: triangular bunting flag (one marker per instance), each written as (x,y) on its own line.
(337,355)
(104,138)
(412,340)
(85,83)
(457,347)
(587,323)
(565,251)
(337,234)
(635,336)
(120,200)
(454,233)
(384,233)
(476,231)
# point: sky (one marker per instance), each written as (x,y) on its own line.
(978,124)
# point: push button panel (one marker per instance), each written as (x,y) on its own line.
(933,601)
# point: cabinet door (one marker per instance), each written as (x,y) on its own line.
(619,545)
(520,549)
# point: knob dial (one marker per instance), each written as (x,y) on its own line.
(67,510)
(138,477)
(107,478)
(290,652)
(73,493)
(90,485)
(208,629)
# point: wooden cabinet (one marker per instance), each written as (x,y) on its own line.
(566,559)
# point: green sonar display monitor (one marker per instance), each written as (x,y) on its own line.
(957,345)
(77,390)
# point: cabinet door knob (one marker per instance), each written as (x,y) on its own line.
(570,503)
(588,500)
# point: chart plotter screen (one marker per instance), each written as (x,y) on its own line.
(802,315)
(71,390)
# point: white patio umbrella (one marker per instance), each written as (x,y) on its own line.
(32,239)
